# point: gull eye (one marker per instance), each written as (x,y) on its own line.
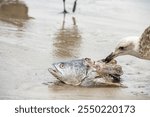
(61,65)
(121,48)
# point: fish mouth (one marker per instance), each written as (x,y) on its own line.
(54,71)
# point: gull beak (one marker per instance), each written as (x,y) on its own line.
(110,57)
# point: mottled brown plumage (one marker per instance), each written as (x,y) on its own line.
(144,44)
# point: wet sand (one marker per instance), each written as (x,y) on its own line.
(28,47)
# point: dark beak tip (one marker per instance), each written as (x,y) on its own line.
(109,58)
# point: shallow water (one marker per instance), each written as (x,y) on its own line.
(28,47)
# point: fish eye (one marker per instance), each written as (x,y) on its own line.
(87,59)
(61,65)
(121,48)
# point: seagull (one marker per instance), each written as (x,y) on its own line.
(73,9)
(64,5)
(134,46)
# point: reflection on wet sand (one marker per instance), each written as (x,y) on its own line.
(67,91)
(67,41)
(13,11)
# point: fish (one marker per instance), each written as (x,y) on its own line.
(88,72)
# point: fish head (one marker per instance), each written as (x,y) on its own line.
(70,72)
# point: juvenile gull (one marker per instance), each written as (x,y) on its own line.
(135,46)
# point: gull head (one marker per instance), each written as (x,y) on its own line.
(127,46)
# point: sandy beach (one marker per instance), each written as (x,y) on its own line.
(43,35)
